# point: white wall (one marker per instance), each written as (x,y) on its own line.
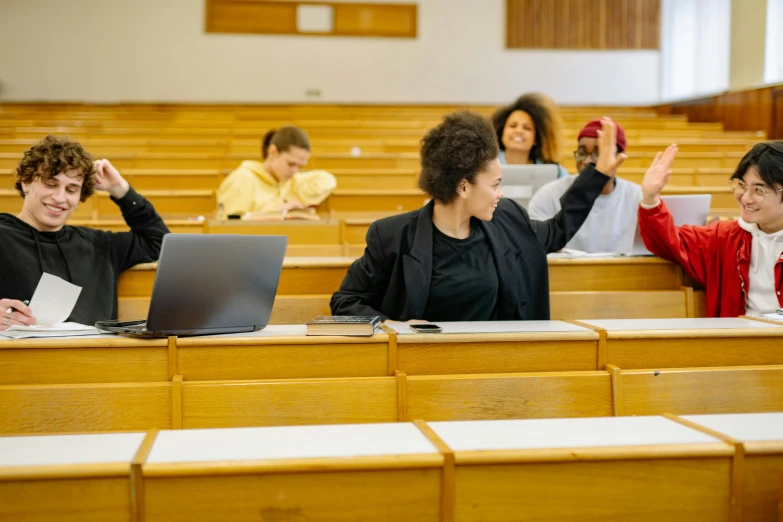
(156,50)
(773,61)
(695,47)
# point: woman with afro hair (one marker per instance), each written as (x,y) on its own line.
(468,254)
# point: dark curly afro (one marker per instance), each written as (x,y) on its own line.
(459,148)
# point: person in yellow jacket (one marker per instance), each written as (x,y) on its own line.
(275,185)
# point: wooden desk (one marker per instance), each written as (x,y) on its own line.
(69,408)
(282,352)
(681,343)
(728,389)
(323,232)
(761,437)
(67,477)
(101,358)
(641,469)
(230,404)
(613,274)
(508,396)
(360,472)
(300,275)
(497,347)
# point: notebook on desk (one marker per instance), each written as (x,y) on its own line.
(686,210)
(210,284)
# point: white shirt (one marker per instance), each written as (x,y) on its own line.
(765,251)
(611,224)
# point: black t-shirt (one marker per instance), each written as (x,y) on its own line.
(464,285)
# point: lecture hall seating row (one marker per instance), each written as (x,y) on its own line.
(681,468)
(286,352)
(180,404)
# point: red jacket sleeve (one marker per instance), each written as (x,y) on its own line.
(689,246)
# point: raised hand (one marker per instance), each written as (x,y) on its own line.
(608,159)
(108,178)
(657,175)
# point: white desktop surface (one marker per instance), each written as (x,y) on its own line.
(483,327)
(744,427)
(565,433)
(702,323)
(289,442)
(54,450)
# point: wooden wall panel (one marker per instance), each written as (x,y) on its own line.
(242,16)
(280,17)
(583,24)
(752,110)
(375,20)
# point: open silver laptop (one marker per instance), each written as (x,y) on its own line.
(686,210)
(520,182)
(210,284)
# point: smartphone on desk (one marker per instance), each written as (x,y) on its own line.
(425,328)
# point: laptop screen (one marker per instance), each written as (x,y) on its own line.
(520,182)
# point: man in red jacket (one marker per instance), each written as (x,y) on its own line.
(740,263)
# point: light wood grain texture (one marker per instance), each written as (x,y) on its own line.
(761,494)
(448,476)
(695,349)
(136,475)
(325,232)
(70,363)
(509,396)
(333,496)
(85,407)
(283,361)
(645,490)
(619,304)
(101,499)
(487,356)
(299,309)
(224,404)
(736,389)
(737,464)
(280,17)
(583,24)
(613,274)
(402,395)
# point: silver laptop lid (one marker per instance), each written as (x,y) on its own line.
(215,283)
(520,182)
(685,210)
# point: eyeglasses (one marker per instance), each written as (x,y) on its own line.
(739,187)
(581,155)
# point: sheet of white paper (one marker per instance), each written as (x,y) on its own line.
(53,300)
(774,317)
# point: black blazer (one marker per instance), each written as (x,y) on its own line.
(392,278)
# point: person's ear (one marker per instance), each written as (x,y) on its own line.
(462,188)
(25,188)
(272,152)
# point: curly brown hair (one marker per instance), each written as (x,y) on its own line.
(53,156)
(459,148)
(549,126)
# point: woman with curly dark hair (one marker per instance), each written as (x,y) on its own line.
(469,254)
(529,131)
(53,177)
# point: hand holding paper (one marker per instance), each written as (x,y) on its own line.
(15,313)
(53,300)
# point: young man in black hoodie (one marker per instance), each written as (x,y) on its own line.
(53,177)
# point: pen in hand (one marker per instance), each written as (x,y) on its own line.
(15,313)
(12,309)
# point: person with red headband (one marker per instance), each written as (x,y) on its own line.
(611,224)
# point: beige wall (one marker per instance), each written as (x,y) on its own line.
(748,42)
(156,50)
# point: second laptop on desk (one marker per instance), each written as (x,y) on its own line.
(210,284)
